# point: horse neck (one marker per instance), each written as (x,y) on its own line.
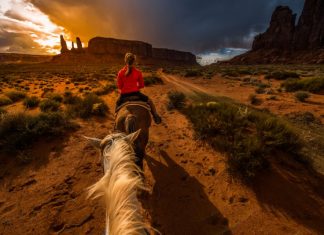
(122,182)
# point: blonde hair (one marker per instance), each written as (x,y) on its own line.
(129,60)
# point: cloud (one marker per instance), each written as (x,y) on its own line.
(25,29)
(197,26)
(219,55)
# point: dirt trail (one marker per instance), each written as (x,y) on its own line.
(185,86)
(190,190)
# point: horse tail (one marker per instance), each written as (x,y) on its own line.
(130,124)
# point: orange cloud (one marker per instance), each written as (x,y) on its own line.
(26,29)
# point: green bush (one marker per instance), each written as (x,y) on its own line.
(248,137)
(31,102)
(16,95)
(302,96)
(90,105)
(152,80)
(48,105)
(20,130)
(282,75)
(5,101)
(314,85)
(176,100)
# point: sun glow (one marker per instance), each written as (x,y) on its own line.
(21,17)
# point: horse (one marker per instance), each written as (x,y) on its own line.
(120,184)
(122,153)
(130,117)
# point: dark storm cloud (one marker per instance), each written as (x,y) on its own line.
(183,24)
(192,25)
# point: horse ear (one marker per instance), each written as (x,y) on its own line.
(133,136)
(94,141)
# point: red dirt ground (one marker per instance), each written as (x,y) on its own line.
(190,190)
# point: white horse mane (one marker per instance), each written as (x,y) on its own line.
(119,187)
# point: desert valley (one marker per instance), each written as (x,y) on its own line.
(240,149)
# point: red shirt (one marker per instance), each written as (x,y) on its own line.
(132,83)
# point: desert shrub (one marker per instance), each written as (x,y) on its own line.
(2,111)
(90,105)
(260,90)
(176,100)
(314,85)
(54,96)
(305,118)
(20,130)
(48,105)
(282,75)
(4,100)
(16,95)
(78,77)
(106,89)
(248,137)
(31,102)
(193,73)
(69,98)
(254,99)
(152,80)
(230,73)
(302,96)
(272,97)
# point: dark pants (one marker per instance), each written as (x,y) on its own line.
(135,96)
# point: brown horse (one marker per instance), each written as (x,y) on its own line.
(133,116)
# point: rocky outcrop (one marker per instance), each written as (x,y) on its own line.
(310,28)
(79,44)
(108,48)
(72,49)
(100,45)
(284,42)
(167,54)
(280,34)
(64,48)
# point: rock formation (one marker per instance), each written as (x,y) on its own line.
(280,34)
(284,42)
(64,48)
(310,28)
(100,47)
(167,54)
(79,44)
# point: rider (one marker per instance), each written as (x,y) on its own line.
(129,82)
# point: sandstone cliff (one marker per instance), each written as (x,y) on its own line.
(286,42)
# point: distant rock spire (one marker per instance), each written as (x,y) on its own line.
(64,48)
(79,44)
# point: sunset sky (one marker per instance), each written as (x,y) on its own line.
(34,26)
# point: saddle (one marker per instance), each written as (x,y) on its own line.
(134,103)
